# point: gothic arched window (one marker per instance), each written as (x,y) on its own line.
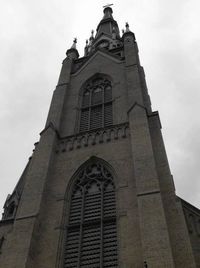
(96,108)
(91,240)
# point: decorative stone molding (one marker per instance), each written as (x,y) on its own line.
(91,138)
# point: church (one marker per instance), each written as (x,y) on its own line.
(97,191)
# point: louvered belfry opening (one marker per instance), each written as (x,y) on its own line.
(96,108)
(91,240)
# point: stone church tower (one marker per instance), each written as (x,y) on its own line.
(97,191)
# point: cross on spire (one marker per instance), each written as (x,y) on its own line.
(108,5)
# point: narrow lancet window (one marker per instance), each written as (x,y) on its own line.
(96,108)
(91,240)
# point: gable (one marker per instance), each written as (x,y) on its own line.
(98,60)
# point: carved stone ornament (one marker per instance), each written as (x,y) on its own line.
(93,173)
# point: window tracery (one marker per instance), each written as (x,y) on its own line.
(96,108)
(92,229)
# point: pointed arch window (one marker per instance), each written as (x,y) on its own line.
(91,240)
(96,108)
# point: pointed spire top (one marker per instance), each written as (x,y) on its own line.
(74,43)
(107,23)
(72,53)
(127,31)
(108,11)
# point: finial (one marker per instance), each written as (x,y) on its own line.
(91,37)
(123,31)
(86,48)
(72,53)
(74,43)
(127,27)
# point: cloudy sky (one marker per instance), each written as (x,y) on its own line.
(34,36)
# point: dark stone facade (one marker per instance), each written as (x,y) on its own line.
(102,197)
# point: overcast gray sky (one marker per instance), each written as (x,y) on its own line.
(34,36)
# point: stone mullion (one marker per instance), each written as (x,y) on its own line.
(101,227)
(81,229)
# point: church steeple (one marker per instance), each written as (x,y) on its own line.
(107,33)
(107,24)
(98,188)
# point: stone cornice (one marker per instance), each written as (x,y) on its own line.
(93,137)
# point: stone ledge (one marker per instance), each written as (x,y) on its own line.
(91,138)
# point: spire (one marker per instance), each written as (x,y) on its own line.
(107,13)
(107,36)
(107,24)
